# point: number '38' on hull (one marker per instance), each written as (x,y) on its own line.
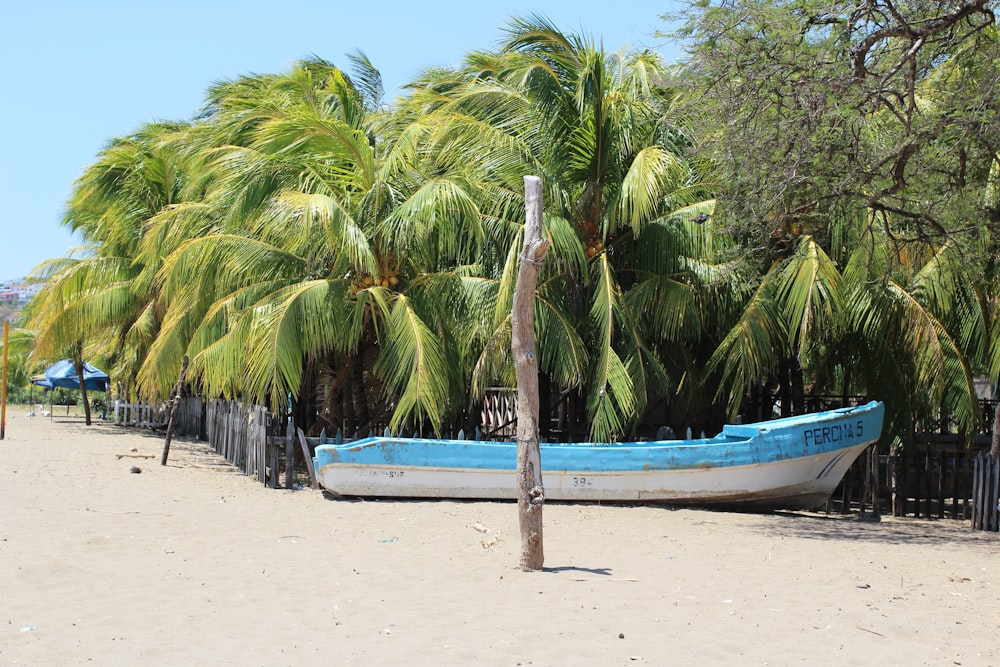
(790,463)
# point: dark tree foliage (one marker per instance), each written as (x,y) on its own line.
(815,111)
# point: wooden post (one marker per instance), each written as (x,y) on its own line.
(290,453)
(530,492)
(314,483)
(994,449)
(3,381)
(977,484)
(994,457)
(994,506)
(875,482)
(986,492)
(273,460)
(173,410)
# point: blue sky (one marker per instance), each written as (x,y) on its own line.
(74,74)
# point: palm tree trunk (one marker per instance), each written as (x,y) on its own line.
(176,400)
(797,386)
(784,388)
(330,388)
(305,414)
(359,394)
(845,394)
(545,405)
(346,402)
(78,366)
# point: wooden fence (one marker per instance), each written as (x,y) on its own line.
(498,416)
(141,414)
(934,481)
(986,493)
(239,434)
(253,439)
(155,415)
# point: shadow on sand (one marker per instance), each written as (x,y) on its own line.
(935,532)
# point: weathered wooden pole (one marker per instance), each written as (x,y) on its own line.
(994,456)
(995,449)
(3,380)
(173,410)
(530,493)
(289,452)
(313,482)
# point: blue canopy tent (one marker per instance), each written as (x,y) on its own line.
(63,374)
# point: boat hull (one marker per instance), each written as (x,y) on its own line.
(791,463)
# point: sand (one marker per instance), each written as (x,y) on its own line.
(195,564)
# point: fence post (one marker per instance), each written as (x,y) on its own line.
(309,463)
(986,492)
(289,452)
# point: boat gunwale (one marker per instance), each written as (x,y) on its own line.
(768,445)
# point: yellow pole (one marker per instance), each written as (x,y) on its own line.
(3,382)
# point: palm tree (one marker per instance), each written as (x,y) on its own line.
(894,322)
(335,264)
(100,303)
(619,208)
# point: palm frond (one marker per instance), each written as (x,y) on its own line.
(442,215)
(367,79)
(495,365)
(611,397)
(939,368)
(340,233)
(567,255)
(750,351)
(654,172)
(669,304)
(809,293)
(561,350)
(302,320)
(413,365)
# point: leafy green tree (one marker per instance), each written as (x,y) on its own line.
(812,109)
(853,144)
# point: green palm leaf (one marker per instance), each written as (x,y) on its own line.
(441,215)
(299,321)
(809,292)
(611,397)
(651,177)
(561,350)
(750,351)
(939,367)
(340,232)
(413,365)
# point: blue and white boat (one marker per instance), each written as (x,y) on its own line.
(790,463)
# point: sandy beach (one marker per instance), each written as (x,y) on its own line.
(195,564)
